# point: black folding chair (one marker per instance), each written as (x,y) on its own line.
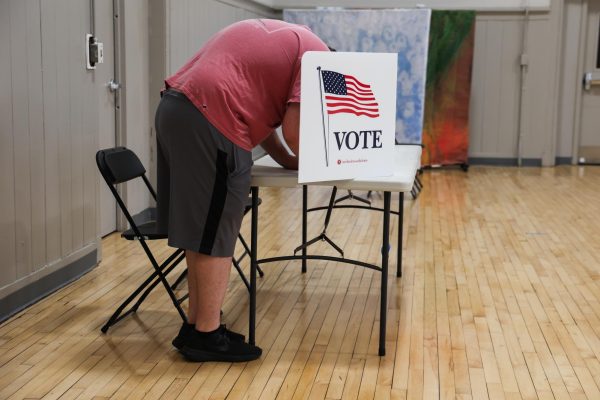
(119,165)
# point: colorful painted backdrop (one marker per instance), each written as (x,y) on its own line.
(437,116)
(405,32)
(446,124)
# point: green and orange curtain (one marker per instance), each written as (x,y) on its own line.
(448,88)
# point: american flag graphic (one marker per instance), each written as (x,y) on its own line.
(346,94)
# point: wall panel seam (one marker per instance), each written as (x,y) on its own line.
(43,133)
(12,114)
(29,266)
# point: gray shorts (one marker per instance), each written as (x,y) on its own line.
(203,179)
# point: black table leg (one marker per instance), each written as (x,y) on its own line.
(253,265)
(385,250)
(400,228)
(304,223)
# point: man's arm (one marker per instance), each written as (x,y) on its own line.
(291,135)
(273,146)
(291,127)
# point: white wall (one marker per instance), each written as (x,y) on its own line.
(136,121)
(49,122)
(570,79)
(191,23)
(157,37)
(48,135)
(496,86)
(487,5)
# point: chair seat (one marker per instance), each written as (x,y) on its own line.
(148,231)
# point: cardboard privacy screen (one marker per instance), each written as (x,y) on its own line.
(347,115)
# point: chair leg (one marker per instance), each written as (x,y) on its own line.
(181,278)
(241,273)
(418,182)
(417,187)
(246,252)
(148,285)
(116,316)
(156,282)
(159,275)
(164,281)
(183,298)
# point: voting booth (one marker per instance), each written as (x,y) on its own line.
(347,115)
(347,141)
(349,128)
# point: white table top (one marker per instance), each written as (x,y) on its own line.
(407,160)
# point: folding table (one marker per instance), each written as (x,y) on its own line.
(267,173)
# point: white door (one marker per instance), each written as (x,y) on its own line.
(105,73)
(589,135)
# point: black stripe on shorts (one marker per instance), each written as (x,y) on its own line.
(217,203)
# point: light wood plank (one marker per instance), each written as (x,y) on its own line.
(499,299)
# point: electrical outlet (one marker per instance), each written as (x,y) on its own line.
(94,51)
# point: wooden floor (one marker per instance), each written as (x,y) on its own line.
(500,299)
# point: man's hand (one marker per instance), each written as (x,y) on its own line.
(291,135)
(275,148)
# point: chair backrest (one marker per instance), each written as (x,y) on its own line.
(118,165)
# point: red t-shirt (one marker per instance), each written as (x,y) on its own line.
(245,75)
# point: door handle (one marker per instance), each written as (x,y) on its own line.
(590,79)
(113,85)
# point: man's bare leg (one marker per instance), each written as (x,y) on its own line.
(208,277)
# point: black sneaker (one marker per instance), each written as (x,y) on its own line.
(186,329)
(216,346)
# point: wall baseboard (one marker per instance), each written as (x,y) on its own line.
(505,162)
(37,290)
(563,161)
(512,162)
